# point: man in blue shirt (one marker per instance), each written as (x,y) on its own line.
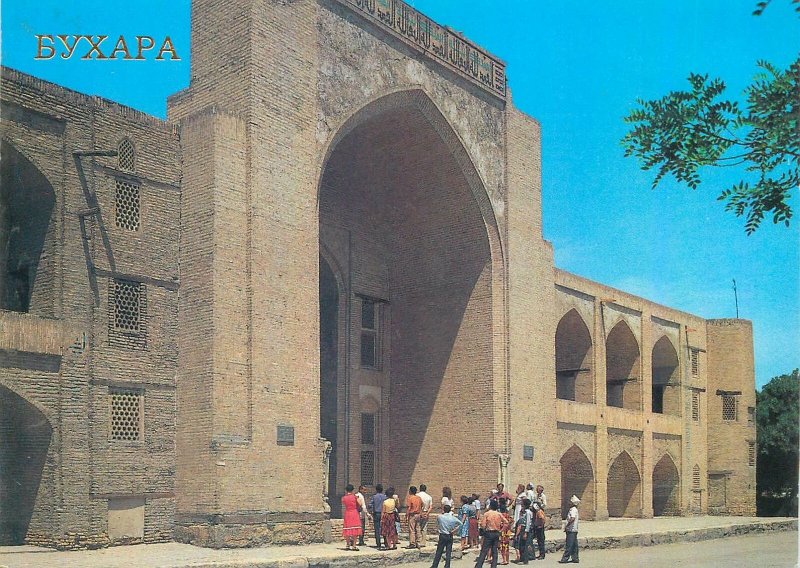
(375,506)
(449,524)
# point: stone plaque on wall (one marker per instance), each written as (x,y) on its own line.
(285,435)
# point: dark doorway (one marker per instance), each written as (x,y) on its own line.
(24,440)
(328,370)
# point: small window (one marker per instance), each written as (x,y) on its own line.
(126,204)
(695,362)
(751,453)
(695,406)
(368,429)
(368,468)
(127,305)
(370,330)
(751,415)
(126,156)
(367,314)
(696,478)
(126,414)
(728,408)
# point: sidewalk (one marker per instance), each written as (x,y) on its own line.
(599,534)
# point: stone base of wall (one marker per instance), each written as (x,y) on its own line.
(85,541)
(250,530)
(71,541)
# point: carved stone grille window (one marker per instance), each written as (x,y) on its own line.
(728,408)
(368,467)
(696,478)
(126,156)
(126,204)
(126,414)
(127,305)
(127,313)
(751,453)
(368,429)
(696,406)
(695,357)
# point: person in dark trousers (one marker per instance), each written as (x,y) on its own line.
(449,525)
(374,507)
(538,529)
(492,523)
(524,531)
(571,528)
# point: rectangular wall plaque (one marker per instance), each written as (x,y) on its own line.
(527,453)
(285,435)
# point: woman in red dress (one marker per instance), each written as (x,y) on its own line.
(351,529)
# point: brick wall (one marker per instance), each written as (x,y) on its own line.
(730,374)
(83,252)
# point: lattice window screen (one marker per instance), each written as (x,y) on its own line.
(127,205)
(728,407)
(126,414)
(751,453)
(126,156)
(127,305)
(368,468)
(696,478)
(695,362)
(696,406)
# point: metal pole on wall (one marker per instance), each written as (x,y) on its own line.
(736,298)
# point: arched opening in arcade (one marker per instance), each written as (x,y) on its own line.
(25,435)
(666,381)
(666,488)
(574,374)
(27,275)
(408,261)
(624,488)
(577,478)
(623,383)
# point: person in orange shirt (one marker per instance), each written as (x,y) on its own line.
(413,510)
(492,523)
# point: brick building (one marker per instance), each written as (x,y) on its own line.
(326,266)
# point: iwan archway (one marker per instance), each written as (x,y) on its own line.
(404,218)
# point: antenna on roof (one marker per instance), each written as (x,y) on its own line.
(736,298)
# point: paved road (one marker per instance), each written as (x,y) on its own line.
(770,550)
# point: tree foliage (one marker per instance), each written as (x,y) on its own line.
(778,426)
(684,131)
(762,5)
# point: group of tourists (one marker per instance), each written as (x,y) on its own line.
(496,525)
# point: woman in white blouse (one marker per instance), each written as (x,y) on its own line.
(447,497)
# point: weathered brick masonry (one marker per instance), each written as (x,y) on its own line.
(63,354)
(326,267)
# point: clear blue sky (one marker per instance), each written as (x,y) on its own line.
(577,66)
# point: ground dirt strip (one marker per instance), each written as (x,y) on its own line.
(621,533)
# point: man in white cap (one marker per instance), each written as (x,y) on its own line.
(571,528)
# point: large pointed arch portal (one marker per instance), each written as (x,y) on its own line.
(404,214)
